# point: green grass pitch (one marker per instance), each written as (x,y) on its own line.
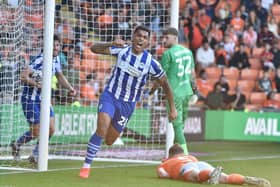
(247,158)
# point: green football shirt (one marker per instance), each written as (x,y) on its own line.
(178,64)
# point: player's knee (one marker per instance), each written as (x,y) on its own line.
(191,176)
(109,141)
(102,132)
(35,133)
(51,131)
(52,126)
(204,175)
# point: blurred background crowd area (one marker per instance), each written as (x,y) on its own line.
(235,45)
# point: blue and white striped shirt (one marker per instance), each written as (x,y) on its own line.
(36,66)
(131,73)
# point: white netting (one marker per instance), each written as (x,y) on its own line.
(79,24)
(21,28)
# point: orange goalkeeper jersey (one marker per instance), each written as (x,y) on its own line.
(171,167)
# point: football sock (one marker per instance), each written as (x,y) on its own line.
(36,148)
(185,148)
(235,179)
(26,137)
(179,136)
(94,145)
(204,175)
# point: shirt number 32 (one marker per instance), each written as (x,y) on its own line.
(183,69)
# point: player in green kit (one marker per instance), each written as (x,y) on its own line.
(178,63)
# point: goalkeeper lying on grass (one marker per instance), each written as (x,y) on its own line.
(180,166)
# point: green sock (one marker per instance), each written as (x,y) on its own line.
(185,148)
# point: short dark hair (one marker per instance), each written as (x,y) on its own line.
(170,30)
(143,28)
(175,149)
(56,38)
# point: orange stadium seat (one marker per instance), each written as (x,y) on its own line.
(231,73)
(258,98)
(252,107)
(232,84)
(213,81)
(255,63)
(257,52)
(249,74)
(213,72)
(275,10)
(246,85)
(276,96)
(272,103)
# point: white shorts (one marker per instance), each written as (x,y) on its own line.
(199,166)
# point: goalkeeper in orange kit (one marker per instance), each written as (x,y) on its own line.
(180,166)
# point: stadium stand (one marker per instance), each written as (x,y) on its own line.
(79,31)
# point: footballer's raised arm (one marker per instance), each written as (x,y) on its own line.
(101,48)
(104,48)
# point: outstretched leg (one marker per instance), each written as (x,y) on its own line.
(238,179)
(94,144)
(23,139)
(261,182)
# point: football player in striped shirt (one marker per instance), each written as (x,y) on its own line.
(124,88)
(31,76)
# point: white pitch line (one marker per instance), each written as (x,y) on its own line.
(66,169)
(136,165)
(245,158)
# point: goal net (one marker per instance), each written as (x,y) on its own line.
(79,24)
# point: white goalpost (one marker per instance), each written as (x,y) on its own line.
(28,29)
(174,22)
(46,85)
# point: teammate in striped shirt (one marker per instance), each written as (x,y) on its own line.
(31,76)
(124,88)
(180,166)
